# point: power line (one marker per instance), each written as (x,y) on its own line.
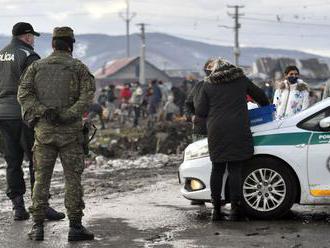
(285,22)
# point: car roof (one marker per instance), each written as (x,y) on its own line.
(293,120)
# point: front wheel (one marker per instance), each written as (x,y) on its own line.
(268,188)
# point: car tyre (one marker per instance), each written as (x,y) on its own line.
(269,188)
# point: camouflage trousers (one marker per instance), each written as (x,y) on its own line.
(47,147)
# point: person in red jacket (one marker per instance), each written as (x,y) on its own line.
(125,93)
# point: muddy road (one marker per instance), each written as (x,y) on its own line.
(132,204)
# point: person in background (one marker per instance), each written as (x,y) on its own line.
(199,130)
(179,98)
(95,109)
(103,98)
(111,100)
(188,83)
(326,92)
(313,98)
(125,96)
(292,94)
(136,101)
(145,102)
(125,93)
(170,109)
(154,101)
(222,102)
(165,92)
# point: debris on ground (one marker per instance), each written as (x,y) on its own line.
(165,137)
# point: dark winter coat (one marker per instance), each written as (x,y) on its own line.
(14,59)
(156,96)
(222,101)
(102,99)
(199,124)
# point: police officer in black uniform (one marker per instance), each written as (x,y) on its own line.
(17,136)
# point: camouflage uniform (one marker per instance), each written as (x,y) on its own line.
(65,84)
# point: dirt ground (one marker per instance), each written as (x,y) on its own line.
(143,207)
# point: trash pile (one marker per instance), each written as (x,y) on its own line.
(165,138)
(143,162)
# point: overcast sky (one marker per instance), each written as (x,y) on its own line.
(302,25)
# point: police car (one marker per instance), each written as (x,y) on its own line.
(291,164)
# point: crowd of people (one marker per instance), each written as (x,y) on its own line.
(133,103)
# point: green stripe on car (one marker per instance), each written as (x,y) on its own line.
(289,139)
(282,139)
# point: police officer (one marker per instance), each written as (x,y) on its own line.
(17,137)
(54,92)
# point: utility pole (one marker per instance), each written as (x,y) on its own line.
(236,28)
(142,77)
(127,17)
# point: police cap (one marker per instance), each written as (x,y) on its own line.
(23,28)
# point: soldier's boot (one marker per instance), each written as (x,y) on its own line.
(37,232)
(235,212)
(20,212)
(217,215)
(52,214)
(78,232)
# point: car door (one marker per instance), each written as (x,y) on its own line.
(318,158)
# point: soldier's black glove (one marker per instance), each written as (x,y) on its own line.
(52,116)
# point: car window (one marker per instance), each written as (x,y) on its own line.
(312,122)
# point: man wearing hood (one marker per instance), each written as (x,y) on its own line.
(292,96)
(222,101)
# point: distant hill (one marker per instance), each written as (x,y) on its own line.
(165,51)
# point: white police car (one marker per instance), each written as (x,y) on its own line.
(291,165)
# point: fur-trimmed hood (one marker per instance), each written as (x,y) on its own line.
(224,72)
(301,85)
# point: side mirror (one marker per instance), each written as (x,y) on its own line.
(325,123)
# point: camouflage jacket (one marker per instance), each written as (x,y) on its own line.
(58,81)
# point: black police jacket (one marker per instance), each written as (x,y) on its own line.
(14,59)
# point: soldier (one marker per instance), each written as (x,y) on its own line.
(17,136)
(54,92)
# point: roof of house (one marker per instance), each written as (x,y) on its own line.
(113,66)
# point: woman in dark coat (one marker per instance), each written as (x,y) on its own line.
(222,101)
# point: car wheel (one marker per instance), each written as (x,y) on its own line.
(268,188)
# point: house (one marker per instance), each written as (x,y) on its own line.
(311,70)
(126,70)
(178,76)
